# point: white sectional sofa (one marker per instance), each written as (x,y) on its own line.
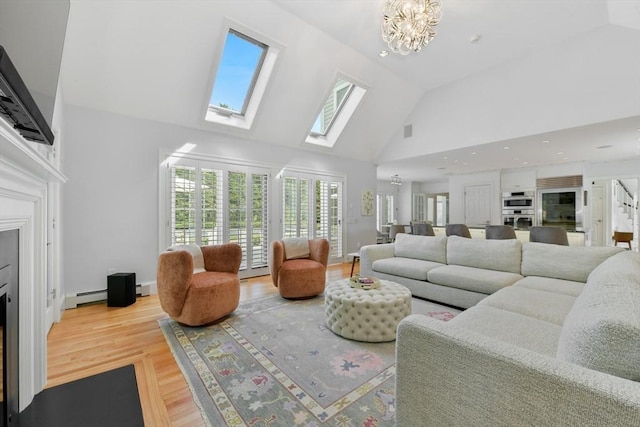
(558,347)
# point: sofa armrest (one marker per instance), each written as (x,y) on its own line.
(452,376)
(371,253)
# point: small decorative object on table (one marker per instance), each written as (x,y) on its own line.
(365,283)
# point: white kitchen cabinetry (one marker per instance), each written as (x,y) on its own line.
(518,180)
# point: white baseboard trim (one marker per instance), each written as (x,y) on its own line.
(74,300)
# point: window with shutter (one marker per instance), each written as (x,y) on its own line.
(213,203)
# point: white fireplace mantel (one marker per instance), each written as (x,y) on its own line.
(26,178)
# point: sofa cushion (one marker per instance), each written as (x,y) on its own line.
(505,255)
(558,286)
(471,279)
(542,305)
(296,247)
(196,253)
(513,328)
(602,331)
(405,267)
(427,248)
(561,262)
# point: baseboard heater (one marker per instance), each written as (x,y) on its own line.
(73,301)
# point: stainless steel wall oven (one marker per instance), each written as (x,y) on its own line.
(518,209)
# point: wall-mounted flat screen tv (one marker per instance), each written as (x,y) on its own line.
(32,36)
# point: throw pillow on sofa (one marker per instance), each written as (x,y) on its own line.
(561,262)
(498,255)
(427,248)
(602,330)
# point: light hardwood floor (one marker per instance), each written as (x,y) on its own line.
(95,338)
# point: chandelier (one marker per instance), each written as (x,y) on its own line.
(408,25)
(396,180)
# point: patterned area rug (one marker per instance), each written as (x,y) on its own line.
(274,362)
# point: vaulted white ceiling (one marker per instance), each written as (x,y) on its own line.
(156,60)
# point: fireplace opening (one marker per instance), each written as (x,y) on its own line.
(9,256)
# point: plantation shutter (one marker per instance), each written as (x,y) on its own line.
(214,203)
(183,204)
(329,214)
(212,195)
(259,220)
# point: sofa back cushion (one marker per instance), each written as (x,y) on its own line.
(563,262)
(427,248)
(602,330)
(499,255)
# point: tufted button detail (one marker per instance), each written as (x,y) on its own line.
(371,315)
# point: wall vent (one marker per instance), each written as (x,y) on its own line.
(560,182)
(408,131)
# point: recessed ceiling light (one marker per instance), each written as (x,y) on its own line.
(603,147)
(465,163)
(565,158)
(506,147)
(546,141)
(525,163)
(560,152)
(473,153)
(475,38)
(383,53)
(445,157)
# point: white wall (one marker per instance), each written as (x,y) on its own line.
(111,203)
(580,82)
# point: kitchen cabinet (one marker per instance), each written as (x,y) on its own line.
(518,180)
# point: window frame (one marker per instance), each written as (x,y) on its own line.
(215,116)
(256,73)
(343,114)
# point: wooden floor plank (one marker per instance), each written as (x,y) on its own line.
(95,338)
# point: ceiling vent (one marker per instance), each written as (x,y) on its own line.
(408,131)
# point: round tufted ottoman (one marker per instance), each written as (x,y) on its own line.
(366,315)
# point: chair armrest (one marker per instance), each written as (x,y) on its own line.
(490,382)
(319,251)
(277,259)
(175,270)
(371,253)
(223,258)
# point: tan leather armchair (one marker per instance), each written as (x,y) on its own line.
(300,277)
(205,295)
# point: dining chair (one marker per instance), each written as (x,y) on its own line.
(549,234)
(457,230)
(500,232)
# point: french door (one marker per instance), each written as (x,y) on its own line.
(312,207)
(213,203)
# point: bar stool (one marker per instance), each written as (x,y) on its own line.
(623,237)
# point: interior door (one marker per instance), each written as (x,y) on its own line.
(597,215)
(477,205)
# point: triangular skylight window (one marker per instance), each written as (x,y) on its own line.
(244,68)
(340,104)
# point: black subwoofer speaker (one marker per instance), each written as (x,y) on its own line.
(121,289)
